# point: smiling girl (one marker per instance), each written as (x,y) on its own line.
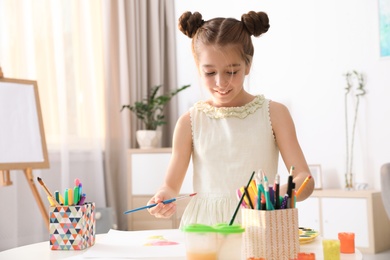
(231,134)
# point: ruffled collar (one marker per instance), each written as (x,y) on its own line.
(224,112)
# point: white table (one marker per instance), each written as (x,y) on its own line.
(42,250)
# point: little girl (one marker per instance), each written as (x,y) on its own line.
(234,132)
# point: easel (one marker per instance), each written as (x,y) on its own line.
(5,179)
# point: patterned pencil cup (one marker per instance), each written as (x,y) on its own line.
(270,234)
(72,227)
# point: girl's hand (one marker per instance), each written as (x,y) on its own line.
(162,210)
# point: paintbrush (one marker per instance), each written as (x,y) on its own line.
(239,203)
(155,204)
(44,187)
(49,194)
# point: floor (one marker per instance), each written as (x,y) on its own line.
(385,255)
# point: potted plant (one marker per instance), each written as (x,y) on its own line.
(150,111)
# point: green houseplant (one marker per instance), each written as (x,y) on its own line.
(150,111)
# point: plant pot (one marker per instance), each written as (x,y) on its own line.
(148,139)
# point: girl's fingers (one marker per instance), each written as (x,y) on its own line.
(166,211)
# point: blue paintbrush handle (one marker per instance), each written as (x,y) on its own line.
(163,202)
(149,206)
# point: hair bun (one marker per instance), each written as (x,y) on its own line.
(256,23)
(189,23)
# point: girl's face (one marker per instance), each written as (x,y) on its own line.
(222,72)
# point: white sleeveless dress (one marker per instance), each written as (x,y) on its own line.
(229,143)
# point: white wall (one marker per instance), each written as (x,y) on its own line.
(300,62)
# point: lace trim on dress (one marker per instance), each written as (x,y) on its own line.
(270,122)
(223,112)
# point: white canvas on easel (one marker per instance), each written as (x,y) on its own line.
(22,137)
(20,134)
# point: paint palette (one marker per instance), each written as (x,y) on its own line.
(307,235)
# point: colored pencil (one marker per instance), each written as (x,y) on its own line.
(302,187)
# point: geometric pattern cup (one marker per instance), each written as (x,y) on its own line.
(72,227)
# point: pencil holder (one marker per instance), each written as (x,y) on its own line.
(72,227)
(270,234)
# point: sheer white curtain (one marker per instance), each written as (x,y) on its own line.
(89,58)
(59,44)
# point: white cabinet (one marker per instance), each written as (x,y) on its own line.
(361,212)
(346,215)
(145,173)
(309,214)
(148,169)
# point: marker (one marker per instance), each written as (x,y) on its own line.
(76,195)
(239,194)
(66,197)
(155,204)
(268,202)
(78,183)
(276,188)
(260,190)
(263,202)
(284,202)
(57,196)
(253,187)
(260,182)
(81,202)
(259,197)
(70,197)
(248,194)
(80,189)
(293,196)
(289,185)
(253,193)
(245,195)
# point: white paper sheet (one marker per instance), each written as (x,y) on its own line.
(146,244)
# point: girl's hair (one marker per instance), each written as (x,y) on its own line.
(224,31)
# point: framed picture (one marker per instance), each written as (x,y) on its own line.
(316,174)
(384,28)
